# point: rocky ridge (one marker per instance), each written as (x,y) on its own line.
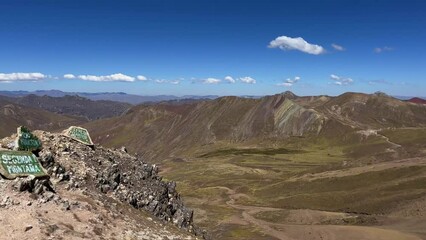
(112,190)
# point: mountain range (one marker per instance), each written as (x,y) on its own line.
(129,98)
(72,105)
(350,166)
(111,96)
(13,115)
(164,129)
(284,166)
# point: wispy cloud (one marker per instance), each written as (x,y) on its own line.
(379,81)
(341,81)
(211,80)
(338,47)
(289,82)
(165,81)
(289,43)
(383,49)
(14,77)
(248,80)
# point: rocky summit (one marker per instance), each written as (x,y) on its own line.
(92,192)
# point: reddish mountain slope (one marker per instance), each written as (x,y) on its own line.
(417,100)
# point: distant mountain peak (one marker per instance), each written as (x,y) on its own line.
(289,95)
(417,100)
(381,94)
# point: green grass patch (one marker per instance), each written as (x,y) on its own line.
(406,137)
(250,151)
(371,192)
(273,216)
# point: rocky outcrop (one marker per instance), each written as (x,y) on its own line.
(107,172)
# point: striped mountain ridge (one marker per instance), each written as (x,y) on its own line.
(231,119)
(163,129)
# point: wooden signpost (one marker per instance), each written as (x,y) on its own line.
(79,134)
(20,164)
(27,141)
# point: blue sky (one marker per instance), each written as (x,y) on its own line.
(214,47)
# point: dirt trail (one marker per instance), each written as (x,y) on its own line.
(308,231)
(248,211)
(394,145)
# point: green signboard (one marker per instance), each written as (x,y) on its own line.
(79,134)
(20,164)
(26,141)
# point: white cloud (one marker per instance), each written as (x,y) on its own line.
(338,47)
(69,76)
(379,81)
(118,77)
(289,82)
(229,79)
(248,80)
(382,49)
(11,77)
(211,81)
(161,81)
(341,81)
(288,43)
(141,78)
(334,77)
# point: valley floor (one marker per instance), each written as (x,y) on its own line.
(310,192)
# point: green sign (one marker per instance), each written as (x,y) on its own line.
(20,164)
(79,134)
(27,141)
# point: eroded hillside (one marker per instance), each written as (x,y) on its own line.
(165,129)
(92,193)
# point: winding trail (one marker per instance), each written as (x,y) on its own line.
(309,230)
(249,211)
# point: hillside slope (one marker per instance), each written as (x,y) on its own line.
(417,100)
(13,115)
(92,193)
(164,129)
